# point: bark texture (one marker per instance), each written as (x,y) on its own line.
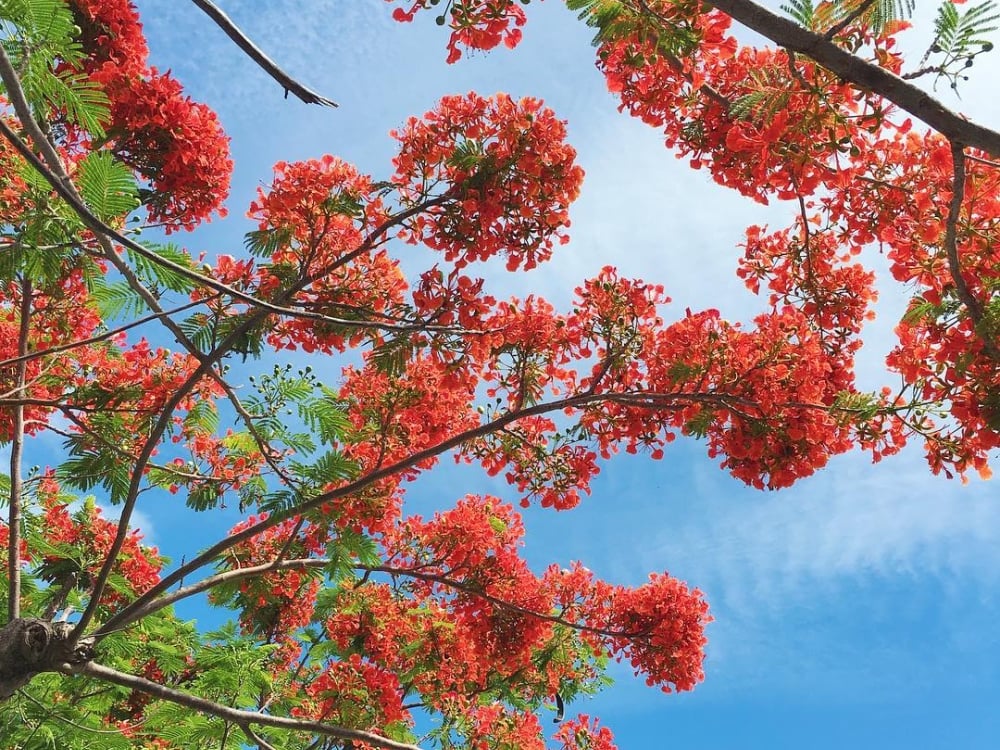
(31,646)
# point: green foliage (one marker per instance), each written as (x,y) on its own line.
(859,407)
(467,155)
(803,12)
(874,15)
(31,720)
(116,300)
(671,36)
(699,425)
(770,97)
(960,37)
(38,35)
(106,185)
(93,464)
(157,275)
(608,17)
(957,33)
(202,418)
(232,668)
(199,328)
(326,415)
(329,468)
(353,546)
(263,243)
(392,355)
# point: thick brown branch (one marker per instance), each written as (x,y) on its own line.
(255,53)
(951,247)
(238,717)
(865,75)
(30,646)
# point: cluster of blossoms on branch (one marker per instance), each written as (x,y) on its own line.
(175,144)
(352,616)
(773,124)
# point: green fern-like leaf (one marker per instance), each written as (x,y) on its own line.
(874,15)
(107,185)
(392,356)
(203,418)
(802,12)
(263,243)
(327,416)
(39,37)
(199,330)
(884,12)
(771,96)
(608,17)
(957,34)
(159,274)
(117,300)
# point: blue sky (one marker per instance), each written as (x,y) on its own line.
(857,609)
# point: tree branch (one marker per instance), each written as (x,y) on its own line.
(254,52)
(238,574)
(578,401)
(786,33)
(465,588)
(951,247)
(16,449)
(70,195)
(39,353)
(255,738)
(236,716)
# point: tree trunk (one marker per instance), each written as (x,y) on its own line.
(31,646)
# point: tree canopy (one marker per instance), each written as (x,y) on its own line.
(162,373)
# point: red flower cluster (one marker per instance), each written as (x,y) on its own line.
(585,733)
(87,536)
(276,605)
(508,173)
(325,212)
(177,145)
(475,24)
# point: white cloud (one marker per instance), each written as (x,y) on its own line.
(851,520)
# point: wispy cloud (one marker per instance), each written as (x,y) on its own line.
(850,520)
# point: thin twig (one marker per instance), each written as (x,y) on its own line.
(39,353)
(849,19)
(255,53)
(255,738)
(16,449)
(980,160)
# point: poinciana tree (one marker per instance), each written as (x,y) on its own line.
(352,620)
